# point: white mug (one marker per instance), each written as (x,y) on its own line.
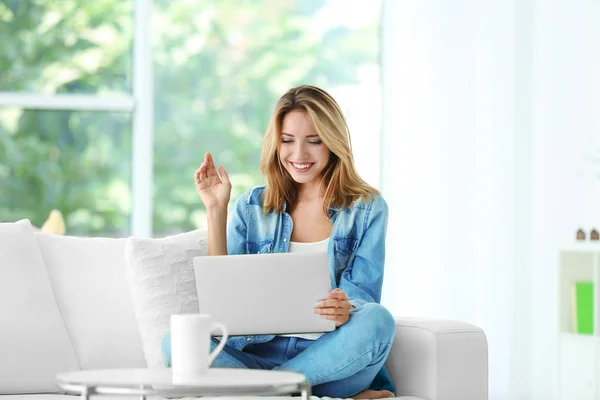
(190,345)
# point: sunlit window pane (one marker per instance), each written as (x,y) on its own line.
(66,46)
(75,162)
(219,68)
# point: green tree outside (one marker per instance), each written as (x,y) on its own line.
(219,68)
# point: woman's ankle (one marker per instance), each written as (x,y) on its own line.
(373,394)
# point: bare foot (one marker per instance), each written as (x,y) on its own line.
(373,394)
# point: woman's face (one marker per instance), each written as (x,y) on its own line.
(301,151)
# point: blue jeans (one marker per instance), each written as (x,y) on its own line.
(340,363)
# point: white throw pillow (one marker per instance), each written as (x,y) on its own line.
(34,343)
(91,285)
(162,282)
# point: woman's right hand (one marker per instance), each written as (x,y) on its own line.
(214,190)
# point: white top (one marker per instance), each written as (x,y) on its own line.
(299,247)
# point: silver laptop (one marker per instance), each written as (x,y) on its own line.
(259,294)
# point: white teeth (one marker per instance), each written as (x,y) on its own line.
(301,166)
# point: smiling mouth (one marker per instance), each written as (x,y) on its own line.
(301,167)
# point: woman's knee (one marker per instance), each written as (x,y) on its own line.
(379,319)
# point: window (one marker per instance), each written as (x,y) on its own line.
(219,68)
(68,100)
(67,46)
(77,161)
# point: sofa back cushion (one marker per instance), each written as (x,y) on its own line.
(34,344)
(90,283)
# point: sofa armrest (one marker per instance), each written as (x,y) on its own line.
(439,360)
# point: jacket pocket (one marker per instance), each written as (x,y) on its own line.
(344,247)
(263,247)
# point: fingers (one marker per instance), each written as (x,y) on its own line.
(210,165)
(207,169)
(338,315)
(335,308)
(209,161)
(338,294)
(335,298)
(339,303)
(224,175)
(333,311)
(200,174)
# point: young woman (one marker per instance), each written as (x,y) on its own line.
(314,200)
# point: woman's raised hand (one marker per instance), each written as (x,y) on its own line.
(214,190)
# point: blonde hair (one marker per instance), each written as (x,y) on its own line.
(342,184)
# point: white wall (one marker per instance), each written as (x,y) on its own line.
(566,133)
(453,168)
(491,123)
(490,110)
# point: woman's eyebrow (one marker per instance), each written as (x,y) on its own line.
(309,136)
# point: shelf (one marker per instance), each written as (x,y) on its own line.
(576,265)
(579,354)
(578,366)
(579,337)
(585,247)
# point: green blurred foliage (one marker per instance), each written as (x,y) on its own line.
(74,161)
(74,46)
(219,67)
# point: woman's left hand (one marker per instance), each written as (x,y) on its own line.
(336,307)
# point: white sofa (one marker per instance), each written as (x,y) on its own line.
(66,305)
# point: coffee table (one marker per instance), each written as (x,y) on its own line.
(159,382)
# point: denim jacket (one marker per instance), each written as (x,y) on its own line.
(356,246)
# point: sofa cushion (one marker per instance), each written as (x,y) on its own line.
(35,344)
(90,282)
(161,277)
(439,359)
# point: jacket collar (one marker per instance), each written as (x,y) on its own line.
(332,210)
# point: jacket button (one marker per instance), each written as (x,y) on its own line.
(285,240)
(248,339)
